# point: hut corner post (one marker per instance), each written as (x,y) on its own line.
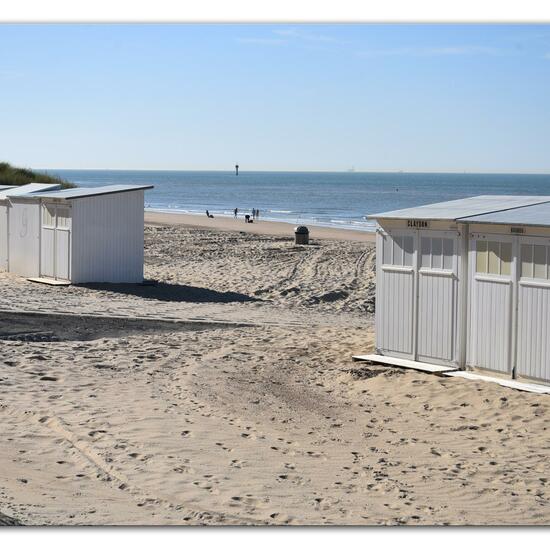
(463,294)
(377,288)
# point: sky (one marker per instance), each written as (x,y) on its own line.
(447,97)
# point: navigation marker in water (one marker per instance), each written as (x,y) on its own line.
(236,169)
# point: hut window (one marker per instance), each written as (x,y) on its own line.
(48,215)
(494,260)
(408,249)
(386,253)
(534,261)
(448,253)
(398,251)
(481,256)
(426,248)
(437,253)
(493,257)
(539,261)
(505,258)
(63,217)
(527,260)
(437,249)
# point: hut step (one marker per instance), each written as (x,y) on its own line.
(404,363)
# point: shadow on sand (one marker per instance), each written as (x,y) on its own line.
(172,292)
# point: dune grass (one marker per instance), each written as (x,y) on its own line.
(11,175)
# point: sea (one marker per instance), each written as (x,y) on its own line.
(329,199)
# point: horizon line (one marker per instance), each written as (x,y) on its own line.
(310,171)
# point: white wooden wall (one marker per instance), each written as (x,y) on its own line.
(24,237)
(55,240)
(438,315)
(533,325)
(498,321)
(4,236)
(489,342)
(107,238)
(490,306)
(395,311)
(533,355)
(417,313)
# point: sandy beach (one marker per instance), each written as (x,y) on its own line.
(225,394)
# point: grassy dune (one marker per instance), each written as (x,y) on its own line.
(11,175)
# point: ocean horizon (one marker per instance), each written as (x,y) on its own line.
(327,199)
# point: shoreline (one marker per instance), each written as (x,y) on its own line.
(261,227)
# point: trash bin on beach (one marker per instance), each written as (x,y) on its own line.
(301,235)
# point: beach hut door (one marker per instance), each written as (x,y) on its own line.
(491,294)
(437,297)
(395,294)
(55,242)
(533,317)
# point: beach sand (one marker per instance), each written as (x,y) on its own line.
(260,227)
(226,394)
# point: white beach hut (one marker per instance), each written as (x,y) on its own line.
(7,211)
(80,235)
(466,284)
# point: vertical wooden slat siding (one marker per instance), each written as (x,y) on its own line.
(3,237)
(24,238)
(490,338)
(506,322)
(47,252)
(107,239)
(62,254)
(533,359)
(398,298)
(395,311)
(437,294)
(436,316)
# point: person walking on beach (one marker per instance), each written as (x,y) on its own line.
(253,213)
(257,214)
(236,211)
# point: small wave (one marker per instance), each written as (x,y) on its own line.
(353,225)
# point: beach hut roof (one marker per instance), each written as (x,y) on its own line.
(81,192)
(536,214)
(466,209)
(17,191)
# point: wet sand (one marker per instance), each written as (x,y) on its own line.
(259,227)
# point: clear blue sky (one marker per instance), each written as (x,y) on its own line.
(276,97)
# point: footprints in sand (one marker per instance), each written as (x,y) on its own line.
(238,424)
(93,433)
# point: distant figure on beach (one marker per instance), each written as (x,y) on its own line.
(257,214)
(208,215)
(247,218)
(253,213)
(236,211)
